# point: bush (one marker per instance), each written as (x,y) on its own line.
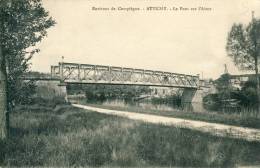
(212,102)
(49,102)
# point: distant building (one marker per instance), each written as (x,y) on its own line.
(163,91)
(237,81)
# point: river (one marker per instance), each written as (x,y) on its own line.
(144,105)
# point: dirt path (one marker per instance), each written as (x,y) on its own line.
(212,128)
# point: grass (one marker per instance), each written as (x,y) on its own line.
(230,119)
(67,136)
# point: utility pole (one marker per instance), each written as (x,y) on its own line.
(61,67)
(226,69)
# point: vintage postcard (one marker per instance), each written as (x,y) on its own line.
(129,83)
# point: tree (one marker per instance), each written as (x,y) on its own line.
(225,90)
(23,24)
(243,46)
(248,96)
(223,83)
(3,96)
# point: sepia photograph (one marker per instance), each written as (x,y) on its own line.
(130,83)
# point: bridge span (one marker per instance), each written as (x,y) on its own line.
(99,74)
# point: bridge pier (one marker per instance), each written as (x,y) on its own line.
(63,91)
(192,100)
(186,99)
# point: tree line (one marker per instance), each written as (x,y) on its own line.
(97,92)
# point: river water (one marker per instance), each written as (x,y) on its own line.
(145,104)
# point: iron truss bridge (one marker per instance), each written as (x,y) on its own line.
(98,74)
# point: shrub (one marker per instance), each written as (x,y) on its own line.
(212,102)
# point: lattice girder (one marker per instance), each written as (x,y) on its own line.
(86,73)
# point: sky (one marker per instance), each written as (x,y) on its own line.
(190,42)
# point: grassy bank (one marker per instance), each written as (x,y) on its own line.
(230,119)
(67,136)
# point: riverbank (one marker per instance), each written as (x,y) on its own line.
(69,136)
(229,119)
